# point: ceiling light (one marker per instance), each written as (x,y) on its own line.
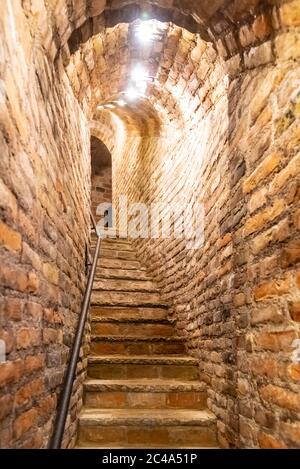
(142,87)
(132,93)
(139,73)
(144,32)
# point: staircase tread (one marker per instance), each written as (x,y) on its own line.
(144,359)
(143,384)
(128,446)
(130,319)
(135,338)
(146,416)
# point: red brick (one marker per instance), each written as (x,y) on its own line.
(267,441)
(34,363)
(294,309)
(9,238)
(28,337)
(10,372)
(272,289)
(29,391)
(25,422)
(276,341)
(281,397)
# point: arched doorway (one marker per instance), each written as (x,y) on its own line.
(101,177)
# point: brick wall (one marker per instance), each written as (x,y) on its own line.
(221,126)
(44,201)
(236,300)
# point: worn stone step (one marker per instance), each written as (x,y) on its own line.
(126,299)
(144,394)
(139,426)
(87,446)
(124,264)
(117,245)
(124,285)
(116,345)
(131,329)
(136,314)
(114,254)
(142,366)
(121,274)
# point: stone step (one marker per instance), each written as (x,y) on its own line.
(132,329)
(118,245)
(114,254)
(124,264)
(107,298)
(121,274)
(143,394)
(87,446)
(143,366)
(116,345)
(139,426)
(136,314)
(114,285)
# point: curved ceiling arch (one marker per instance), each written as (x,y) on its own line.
(129,13)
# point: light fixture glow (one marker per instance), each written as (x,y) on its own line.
(132,93)
(139,73)
(142,87)
(144,32)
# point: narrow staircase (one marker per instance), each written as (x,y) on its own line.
(142,390)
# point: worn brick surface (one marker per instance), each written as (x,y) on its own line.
(221,126)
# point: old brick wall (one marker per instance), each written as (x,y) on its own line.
(44,202)
(236,300)
(220,124)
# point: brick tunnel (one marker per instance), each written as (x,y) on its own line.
(195,105)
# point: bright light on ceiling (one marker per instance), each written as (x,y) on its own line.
(139,73)
(132,93)
(144,32)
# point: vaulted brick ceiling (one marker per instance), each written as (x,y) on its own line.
(99,50)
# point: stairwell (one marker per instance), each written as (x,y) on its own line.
(142,389)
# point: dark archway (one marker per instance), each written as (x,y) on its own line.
(101,174)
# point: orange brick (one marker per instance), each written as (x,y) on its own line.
(267,441)
(291,254)
(294,309)
(268,165)
(290,171)
(294,372)
(9,372)
(27,338)
(29,391)
(291,431)
(276,341)
(25,422)
(290,13)
(261,219)
(9,238)
(51,273)
(34,363)
(262,27)
(281,397)
(273,288)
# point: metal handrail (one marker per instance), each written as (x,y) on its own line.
(62,413)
